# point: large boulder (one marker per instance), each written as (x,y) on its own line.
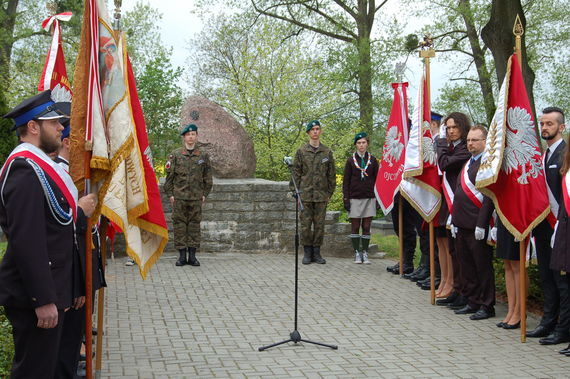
(226,141)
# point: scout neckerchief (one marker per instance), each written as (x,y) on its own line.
(44,165)
(360,166)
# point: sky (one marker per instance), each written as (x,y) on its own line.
(179,25)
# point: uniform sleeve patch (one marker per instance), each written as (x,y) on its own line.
(167,165)
(325,160)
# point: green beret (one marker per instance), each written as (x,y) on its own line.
(359,136)
(311,124)
(189,128)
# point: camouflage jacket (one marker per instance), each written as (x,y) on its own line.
(315,173)
(188,174)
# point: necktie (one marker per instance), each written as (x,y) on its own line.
(451,148)
(547,155)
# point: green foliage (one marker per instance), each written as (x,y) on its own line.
(7,137)
(6,342)
(157,80)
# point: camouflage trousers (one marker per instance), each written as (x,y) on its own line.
(186,217)
(313,223)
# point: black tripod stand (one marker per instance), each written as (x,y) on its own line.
(295,336)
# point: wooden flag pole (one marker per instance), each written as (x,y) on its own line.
(101,300)
(88,272)
(522,286)
(427,52)
(401,232)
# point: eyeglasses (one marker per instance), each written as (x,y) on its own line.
(475,139)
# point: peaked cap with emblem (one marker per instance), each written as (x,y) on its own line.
(310,125)
(38,107)
(189,128)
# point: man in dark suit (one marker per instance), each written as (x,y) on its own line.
(38,207)
(470,218)
(554,287)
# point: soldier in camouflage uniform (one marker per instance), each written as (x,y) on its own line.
(188,183)
(315,174)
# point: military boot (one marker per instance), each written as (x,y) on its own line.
(182,259)
(317,255)
(308,254)
(192,261)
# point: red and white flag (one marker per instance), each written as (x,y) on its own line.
(394,152)
(107,117)
(511,171)
(54,74)
(421,185)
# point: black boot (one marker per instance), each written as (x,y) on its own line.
(182,259)
(308,250)
(192,261)
(317,255)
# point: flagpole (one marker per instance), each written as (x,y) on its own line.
(88,272)
(427,52)
(518,31)
(401,232)
(101,300)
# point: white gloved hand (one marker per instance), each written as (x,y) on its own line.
(494,233)
(479,233)
(453,230)
(553,238)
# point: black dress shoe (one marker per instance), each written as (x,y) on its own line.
(459,303)
(421,275)
(512,326)
(565,351)
(482,314)
(427,286)
(393,268)
(555,338)
(407,270)
(501,324)
(448,300)
(465,310)
(539,331)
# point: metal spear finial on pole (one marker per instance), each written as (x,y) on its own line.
(518,31)
(117,15)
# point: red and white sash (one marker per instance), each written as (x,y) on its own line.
(52,169)
(565,189)
(469,188)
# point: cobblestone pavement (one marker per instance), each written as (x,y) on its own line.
(209,321)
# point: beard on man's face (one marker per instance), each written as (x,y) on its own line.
(547,137)
(48,144)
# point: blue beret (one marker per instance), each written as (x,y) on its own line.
(189,128)
(359,136)
(311,124)
(37,107)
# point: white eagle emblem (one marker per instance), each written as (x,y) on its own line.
(393,147)
(60,94)
(520,150)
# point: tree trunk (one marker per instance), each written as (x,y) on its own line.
(8,19)
(498,36)
(479,59)
(365,85)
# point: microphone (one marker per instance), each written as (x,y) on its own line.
(288,161)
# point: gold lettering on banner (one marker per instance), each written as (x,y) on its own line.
(393,176)
(133,176)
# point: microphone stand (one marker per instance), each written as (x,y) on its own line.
(295,336)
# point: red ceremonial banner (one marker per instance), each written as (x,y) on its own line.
(394,151)
(511,171)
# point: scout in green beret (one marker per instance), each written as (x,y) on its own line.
(188,183)
(315,174)
(359,178)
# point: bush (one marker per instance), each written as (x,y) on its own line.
(6,342)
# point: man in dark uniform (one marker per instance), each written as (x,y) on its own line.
(554,287)
(315,174)
(38,208)
(188,183)
(470,218)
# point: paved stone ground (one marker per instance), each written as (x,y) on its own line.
(208,322)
